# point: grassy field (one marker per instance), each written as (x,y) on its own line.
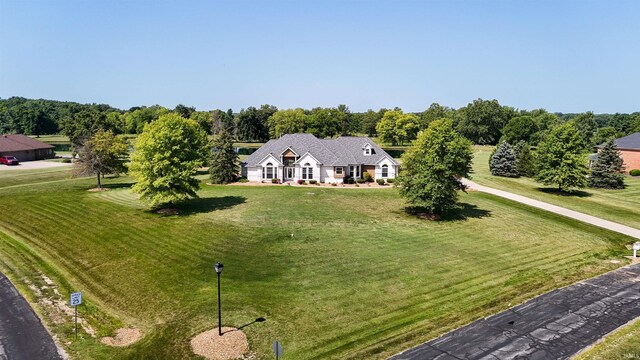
(337,273)
(619,345)
(622,206)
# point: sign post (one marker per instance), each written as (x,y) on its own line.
(277,348)
(76,299)
(636,247)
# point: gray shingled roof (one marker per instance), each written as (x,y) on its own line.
(330,152)
(628,142)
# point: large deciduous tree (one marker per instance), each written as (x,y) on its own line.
(482,121)
(289,121)
(561,158)
(433,167)
(103,153)
(224,160)
(519,128)
(396,127)
(504,161)
(168,154)
(606,172)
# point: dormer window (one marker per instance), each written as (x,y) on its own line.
(367,150)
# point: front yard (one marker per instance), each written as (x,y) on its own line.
(338,274)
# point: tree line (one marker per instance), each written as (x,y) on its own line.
(483,122)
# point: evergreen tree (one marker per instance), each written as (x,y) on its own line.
(606,173)
(561,159)
(504,162)
(224,160)
(526,163)
(433,167)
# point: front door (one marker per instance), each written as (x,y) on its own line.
(354,171)
(288,173)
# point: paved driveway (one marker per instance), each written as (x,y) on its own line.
(31,165)
(22,335)
(555,325)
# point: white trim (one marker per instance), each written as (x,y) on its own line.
(289,148)
(308,153)
(270,155)
(387,156)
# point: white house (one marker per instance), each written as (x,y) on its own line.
(304,157)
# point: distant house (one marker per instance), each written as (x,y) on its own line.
(629,147)
(25,148)
(304,157)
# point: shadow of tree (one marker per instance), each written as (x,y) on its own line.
(204,205)
(117,185)
(464,211)
(555,191)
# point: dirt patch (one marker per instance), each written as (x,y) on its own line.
(98,189)
(168,211)
(124,337)
(232,344)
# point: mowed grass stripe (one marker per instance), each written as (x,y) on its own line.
(358,278)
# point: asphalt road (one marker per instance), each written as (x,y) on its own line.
(22,335)
(555,325)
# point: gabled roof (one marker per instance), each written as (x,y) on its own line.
(20,142)
(342,151)
(629,142)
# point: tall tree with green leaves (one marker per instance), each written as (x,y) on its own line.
(504,162)
(587,125)
(103,153)
(482,121)
(168,154)
(606,172)
(289,121)
(562,159)
(433,167)
(224,160)
(396,127)
(526,165)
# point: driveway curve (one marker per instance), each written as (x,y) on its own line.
(22,335)
(596,221)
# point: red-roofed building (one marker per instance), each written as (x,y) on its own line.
(25,148)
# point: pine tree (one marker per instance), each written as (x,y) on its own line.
(606,173)
(224,159)
(526,163)
(504,162)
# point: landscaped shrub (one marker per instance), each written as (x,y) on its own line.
(357,185)
(243,180)
(367,177)
(304,183)
(606,172)
(313,182)
(275,181)
(390,181)
(66,161)
(380,181)
(349,180)
(634,172)
(334,184)
(361,181)
(300,182)
(504,161)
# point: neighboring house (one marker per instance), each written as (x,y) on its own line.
(25,148)
(629,147)
(304,157)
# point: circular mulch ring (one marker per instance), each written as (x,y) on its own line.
(170,211)
(124,337)
(231,345)
(98,189)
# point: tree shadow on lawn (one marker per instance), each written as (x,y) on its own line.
(204,205)
(117,185)
(555,191)
(464,212)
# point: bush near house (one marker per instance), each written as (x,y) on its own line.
(300,182)
(367,177)
(275,181)
(361,181)
(243,180)
(313,182)
(634,172)
(380,181)
(390,181)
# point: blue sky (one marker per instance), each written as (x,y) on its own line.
(568,56)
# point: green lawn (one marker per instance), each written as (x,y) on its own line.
(619,345)
(337,273)
(622,206)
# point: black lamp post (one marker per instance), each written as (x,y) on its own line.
(218,266)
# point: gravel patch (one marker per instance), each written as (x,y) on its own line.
(232,344)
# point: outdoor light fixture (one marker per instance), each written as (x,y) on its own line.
(218,266)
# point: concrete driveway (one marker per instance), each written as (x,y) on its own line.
(33,165)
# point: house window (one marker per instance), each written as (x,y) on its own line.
(307,172)
(268,171)
(339,170)
(385,170)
